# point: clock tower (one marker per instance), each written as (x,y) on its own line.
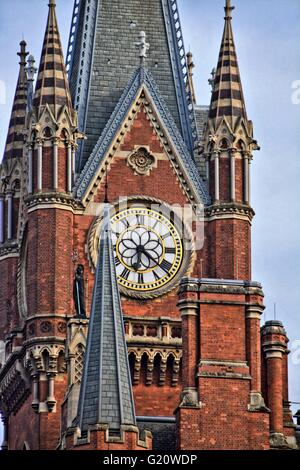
(133,323)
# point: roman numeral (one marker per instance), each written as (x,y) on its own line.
(125,223)
(140,219)
(167,235)
(125,274)
(165,265)
(117,261)
(170,251)
(157,278)
(140,278)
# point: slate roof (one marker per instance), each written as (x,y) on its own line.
(102,57)
(141,78)
(106,392)
(227,97)
(52,86)
(15,138)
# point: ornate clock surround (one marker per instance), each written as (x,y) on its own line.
(165,210)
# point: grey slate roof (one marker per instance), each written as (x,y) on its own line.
(106,392)
(102,57)
(141,77)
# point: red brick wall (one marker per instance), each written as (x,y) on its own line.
(62,167)
(41,431)
(9,317)
(222,330)
(225,177)
(49,266)
(229,249)
(223,422)
(239,180)
(47,168)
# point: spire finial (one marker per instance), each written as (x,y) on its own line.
(143,46)
(228,9)
(23,53)
(52,4)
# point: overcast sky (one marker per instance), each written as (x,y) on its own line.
(267,36)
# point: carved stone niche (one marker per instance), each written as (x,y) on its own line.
(141,161)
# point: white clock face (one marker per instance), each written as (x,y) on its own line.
(148,249)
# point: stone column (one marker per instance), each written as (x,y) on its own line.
(4,445)
(9,215)
(70,168)
(30,169)
(217,176)
(189,308)
(35,393)
(232,175)
(51,402)
(40,166)
(2,237)
(207,168)
(253,341)
(55,164)
(274,347)
(247,163)
(74,162)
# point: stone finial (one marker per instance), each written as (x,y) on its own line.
(31,69)
(211,80)
(228,9)
(143,46)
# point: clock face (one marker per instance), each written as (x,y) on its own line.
(148,249)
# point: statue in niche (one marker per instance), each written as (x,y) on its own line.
(78,292)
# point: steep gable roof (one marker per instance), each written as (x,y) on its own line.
(142,82)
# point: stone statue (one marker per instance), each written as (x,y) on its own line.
(78,292)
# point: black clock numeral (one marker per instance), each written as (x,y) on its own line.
(157,278)
(140,219)
(117,261)
(156,223)
(166,266)
(125,274)
(167,235)
(170,251)
(125,223)
(140,278)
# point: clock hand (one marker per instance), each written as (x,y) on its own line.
(150,256)
(139,254)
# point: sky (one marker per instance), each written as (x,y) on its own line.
(267,36)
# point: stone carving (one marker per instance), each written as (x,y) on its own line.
(78,292)
(46,327)
(141,161)
(189,398)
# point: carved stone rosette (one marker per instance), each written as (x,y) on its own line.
(141,161)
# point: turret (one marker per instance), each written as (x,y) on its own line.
(53,122)
(228,146)
(229,136)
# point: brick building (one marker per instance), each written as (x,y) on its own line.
(128,316)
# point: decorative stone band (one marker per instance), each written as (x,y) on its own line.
(194,285)
(81,439)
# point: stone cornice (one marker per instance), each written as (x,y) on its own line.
(53,200)
(229,210)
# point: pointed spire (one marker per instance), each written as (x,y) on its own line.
(106,392)
(15,138)
(227,97)
(52,86)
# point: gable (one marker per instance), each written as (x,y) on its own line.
(156,129)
